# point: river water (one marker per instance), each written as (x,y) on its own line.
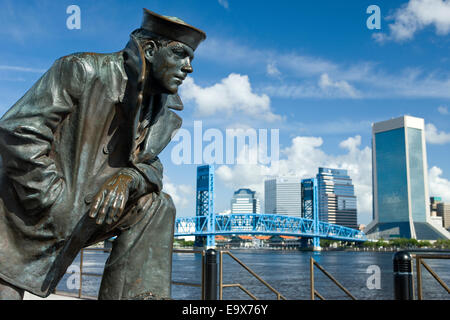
(286,271)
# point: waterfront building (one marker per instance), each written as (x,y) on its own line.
(282,195)
(336,195)
(245,201)
(401,203)
(443,210)
(434,201)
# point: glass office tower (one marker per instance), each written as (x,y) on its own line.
(400,182)
(337,200)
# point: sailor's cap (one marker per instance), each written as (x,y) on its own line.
(172,28)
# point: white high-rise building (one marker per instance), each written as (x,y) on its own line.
(245,201)
(401,202)
(282,195)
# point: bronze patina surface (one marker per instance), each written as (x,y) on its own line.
(79,164)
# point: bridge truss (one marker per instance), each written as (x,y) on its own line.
(264,224)
(206,224)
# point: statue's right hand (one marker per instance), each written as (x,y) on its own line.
(109,204)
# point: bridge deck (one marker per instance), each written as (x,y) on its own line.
(265,224)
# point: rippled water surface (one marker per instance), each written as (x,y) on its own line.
(286,271)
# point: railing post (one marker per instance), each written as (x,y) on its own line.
(220,275)
(80,289)
(403,279)
(311,277)
(210,283)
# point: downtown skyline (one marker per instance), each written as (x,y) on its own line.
(315,73)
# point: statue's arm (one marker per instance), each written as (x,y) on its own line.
(148,176)
(28,132)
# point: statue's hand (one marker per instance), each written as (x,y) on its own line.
(109,204)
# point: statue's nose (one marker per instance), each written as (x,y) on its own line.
(188,67)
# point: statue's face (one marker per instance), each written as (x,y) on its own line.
(170,66)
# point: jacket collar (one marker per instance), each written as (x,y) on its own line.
(163,121)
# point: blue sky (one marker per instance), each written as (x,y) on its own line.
(311,69)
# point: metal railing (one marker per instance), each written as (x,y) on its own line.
(314,292)
(238,285)
(80,289)
(189,284)
(221,284)
(419,263)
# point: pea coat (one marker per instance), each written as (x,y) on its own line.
(85,120)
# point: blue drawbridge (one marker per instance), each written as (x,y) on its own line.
(207,225)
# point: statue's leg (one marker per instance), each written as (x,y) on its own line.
(10,292)
(141,258)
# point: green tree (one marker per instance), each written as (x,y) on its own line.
(369,244)
(424,243)
(381,243)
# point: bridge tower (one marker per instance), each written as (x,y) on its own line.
(205,206)
(310,207)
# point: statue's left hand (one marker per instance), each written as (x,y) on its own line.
(109,204)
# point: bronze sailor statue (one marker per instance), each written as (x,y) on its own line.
(79,164)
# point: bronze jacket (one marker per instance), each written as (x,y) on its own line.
(80,124)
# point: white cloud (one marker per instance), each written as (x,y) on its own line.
(443,110)
(439,186)
(434,136)
(21,69)
(181,194)
(231,95)
(324,88)
(336,88)
(415,16)
(303,74)
(302,159)
(272,70)
(224,3)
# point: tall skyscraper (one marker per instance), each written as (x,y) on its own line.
(337,200)
(401,203)
(282,195)
(245,201)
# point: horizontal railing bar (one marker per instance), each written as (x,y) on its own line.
(91,274)
(97,249)
(186,284)
(187,251)
(230,285)
(430,256)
